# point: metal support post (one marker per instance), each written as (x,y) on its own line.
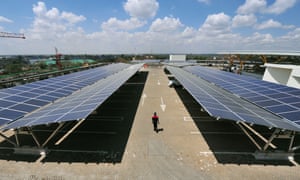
(53,134)
(292,141)
(250,137)
(17,138)
(69,132)
(271,138)
(34,138)
(8,140)
(258,135)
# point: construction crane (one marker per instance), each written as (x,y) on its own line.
(57,58)
(12,35)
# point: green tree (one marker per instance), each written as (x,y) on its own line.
(13,68)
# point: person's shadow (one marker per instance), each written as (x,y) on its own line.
(159,129)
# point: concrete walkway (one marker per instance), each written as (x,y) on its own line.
(162,155)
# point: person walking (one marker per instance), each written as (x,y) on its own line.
(155,121)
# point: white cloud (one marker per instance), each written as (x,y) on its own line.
(244,20)
(261,6)
(293,35)
(72,18)
(39,9)
(113,24)
(142,9)
(167,24)
(252,6)
(216,24)
(189,32)
(57,28)
(204,1)
(272,24)
(280,6)
(52,23)
(4,19)
(262,38)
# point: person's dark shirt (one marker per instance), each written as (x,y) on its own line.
(155,119)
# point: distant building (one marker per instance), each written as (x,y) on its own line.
(177,57)
(288,75)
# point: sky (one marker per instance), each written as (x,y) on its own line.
(149,26)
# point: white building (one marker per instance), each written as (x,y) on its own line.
(177,57)
(288,75)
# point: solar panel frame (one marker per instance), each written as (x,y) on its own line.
(78,105)
(257,114)
(251,88)
(52,89)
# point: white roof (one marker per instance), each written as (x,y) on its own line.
(282,66)
(254,52)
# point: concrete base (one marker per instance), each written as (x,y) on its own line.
(276,155)
(30,151)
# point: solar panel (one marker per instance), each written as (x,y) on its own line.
(27,98)
(220,103)
(265,94)
(78,105)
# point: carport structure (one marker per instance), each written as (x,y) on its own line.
(68,98)
(246,101)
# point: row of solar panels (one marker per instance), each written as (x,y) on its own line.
(18,101)
(279,99)
(221,103)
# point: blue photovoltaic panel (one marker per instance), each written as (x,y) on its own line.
(279,99)
(36,102)
(78,105)
(4,121)
(24,107)
(220,103)
(27,98)
(6,103)
(11,114)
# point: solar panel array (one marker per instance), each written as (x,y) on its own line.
(17,101)
(222,104)
(279,99)
(78,105)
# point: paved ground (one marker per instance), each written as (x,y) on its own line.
(119,142)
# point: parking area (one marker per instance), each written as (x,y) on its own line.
(118,141)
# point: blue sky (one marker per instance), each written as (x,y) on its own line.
(149,26)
